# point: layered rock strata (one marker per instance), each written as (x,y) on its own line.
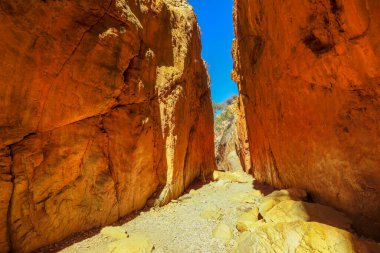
(104,103)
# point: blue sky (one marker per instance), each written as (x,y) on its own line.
(215,20)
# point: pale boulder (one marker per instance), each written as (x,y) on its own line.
(247,220)
(133,244)
(273,199)
(291,211)
(114,232)
(212,212)
(300,237)
(223,232)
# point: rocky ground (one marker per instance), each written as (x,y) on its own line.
(229,215)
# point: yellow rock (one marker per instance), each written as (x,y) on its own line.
(223,232)
(239,177)
(280,195)
(266,205)
(257,193)
(133,244)
(286,211)
(273,199)
(327,215)
(114,232)
(212,212)
(247,220)
(290,211)
(299,237)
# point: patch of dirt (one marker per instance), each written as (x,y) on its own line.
(179,226)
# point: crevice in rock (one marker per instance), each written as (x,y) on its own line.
(276,175)
(185,160)
(82,37)
(110,165)
(363,34)
(9,223)
(335,6)
(21,139)
(118,106)
(316,45)
(69,58)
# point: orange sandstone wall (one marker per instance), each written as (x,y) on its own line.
(104,103)
(309,77)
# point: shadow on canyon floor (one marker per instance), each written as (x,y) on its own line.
(264,188)
(81,236)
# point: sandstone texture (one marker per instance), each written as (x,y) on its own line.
(300,237)
(231,144)
(104,103)
(309,77)
(290,225)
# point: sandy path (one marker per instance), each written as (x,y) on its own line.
(178,226)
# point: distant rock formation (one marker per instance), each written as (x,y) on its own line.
(309,77)
(230,155)
(104,103)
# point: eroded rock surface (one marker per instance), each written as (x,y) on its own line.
(229,133)
(290,225)
(103,104)
(309,74)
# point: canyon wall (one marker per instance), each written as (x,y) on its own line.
(105,103)
(309,77)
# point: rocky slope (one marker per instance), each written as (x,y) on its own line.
(104,103)
(309,75)
(229,154)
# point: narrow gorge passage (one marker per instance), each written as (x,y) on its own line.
(229,215)
(190,126)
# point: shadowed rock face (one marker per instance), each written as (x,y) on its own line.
(103,104)
(309,76)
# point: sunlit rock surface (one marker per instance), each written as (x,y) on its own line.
(309,74)
(103,104)
(289,225)
(231,151)
(299,237)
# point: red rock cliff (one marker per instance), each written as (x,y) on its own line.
(103,104)
(309,77)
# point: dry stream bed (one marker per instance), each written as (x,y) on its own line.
(229,215)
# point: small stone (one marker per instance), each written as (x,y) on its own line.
(247,220)
(212,212)
(114,232)
(134,244)
(269,201)
(223,232)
